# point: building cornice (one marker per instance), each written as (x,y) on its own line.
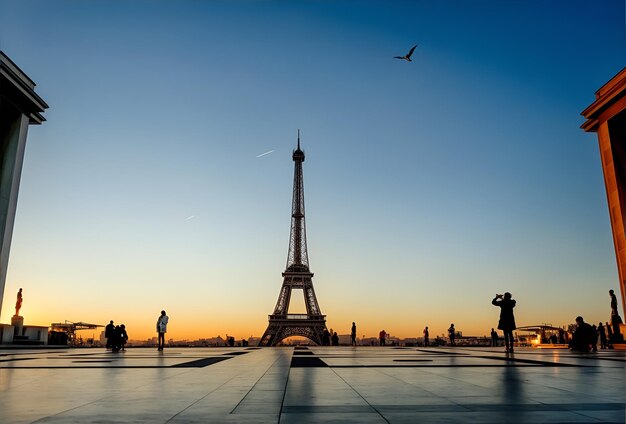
(606,97)
(17,88)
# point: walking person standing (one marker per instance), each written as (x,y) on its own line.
(426,335)
(594,338)
(123,336)
(325,337)
(609,341)
(507,320)
(451,334)
(353,335)
(602,336)
(161,327)
(108,333)
(494,338)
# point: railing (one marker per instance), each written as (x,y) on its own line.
(298,317)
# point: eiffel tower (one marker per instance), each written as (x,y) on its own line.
(296,276)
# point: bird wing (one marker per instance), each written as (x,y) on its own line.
(411,51)
(398,57)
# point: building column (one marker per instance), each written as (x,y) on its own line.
(20,107)
(606,116)
(13,143)
(615,195)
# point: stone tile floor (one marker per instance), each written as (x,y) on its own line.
(311,385)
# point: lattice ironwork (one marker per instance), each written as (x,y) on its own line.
(289,325)
(298,257)
(296,276)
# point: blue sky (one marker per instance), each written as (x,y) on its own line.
(429,185)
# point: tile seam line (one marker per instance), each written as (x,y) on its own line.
(102,398)
(432,393)
(597,420)
(68,410)
(282,401)
(257,382)
(361,396)
(198,400)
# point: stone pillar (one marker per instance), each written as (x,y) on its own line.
(18,325)
(19,107)
(607,117)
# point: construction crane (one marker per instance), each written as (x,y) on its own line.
(70,328)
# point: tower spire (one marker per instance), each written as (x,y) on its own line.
(297,259)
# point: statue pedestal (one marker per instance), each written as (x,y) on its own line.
(19,334)
(17,322)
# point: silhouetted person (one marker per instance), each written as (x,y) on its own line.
(18,303)
(108,333)
(583,336)
(123,336)
(325,338)
(116,340)
(594,339)
(609,331)
(561,336)
(426,337)
(602,334)
(161,327)
(381,337)
(353,335)
(494,338)
(507,320)
(451,334)
(335,339)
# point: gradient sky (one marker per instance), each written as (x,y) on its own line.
(430,186)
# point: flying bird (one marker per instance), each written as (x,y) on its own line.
(266,153)
(190,217)
(407,57)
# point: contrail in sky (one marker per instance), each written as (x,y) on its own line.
(190,217)
(266,153)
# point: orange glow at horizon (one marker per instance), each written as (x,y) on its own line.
(194,323)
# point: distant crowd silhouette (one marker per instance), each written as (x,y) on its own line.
(116,336)
(330,338)
(583,338)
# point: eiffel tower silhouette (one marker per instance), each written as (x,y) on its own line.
(296,276)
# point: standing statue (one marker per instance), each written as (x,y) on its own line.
(616,320)
(18,304)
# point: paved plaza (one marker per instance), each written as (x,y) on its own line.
(311,385)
